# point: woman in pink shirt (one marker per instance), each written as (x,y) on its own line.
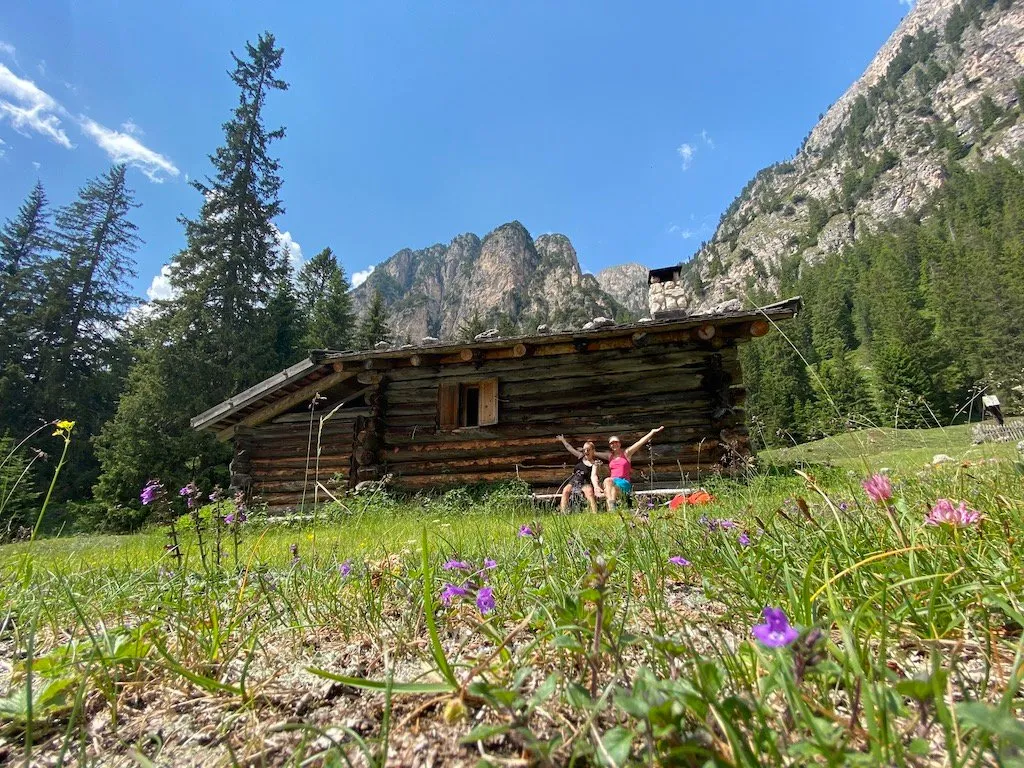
(621,466)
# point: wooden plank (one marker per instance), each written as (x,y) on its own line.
(287,403)
(488,402)
(448,405)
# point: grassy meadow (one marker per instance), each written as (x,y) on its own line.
(476,629)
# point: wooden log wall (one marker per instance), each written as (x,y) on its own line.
(694,391)
(276,456)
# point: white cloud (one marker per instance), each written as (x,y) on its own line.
(358,278)
(160,286)
(686,234)
(129,126)
(2,151)
(30,109)
(908,3)
(36,164)
(41,66)
(124,148)
(686,152)
(8,50)
(706,138)
(288,244)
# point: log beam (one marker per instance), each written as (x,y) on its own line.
(286,403)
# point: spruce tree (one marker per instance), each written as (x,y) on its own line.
(374,327)
(24,242)
(233,264)
(325,295)
(471,327)
(223,330)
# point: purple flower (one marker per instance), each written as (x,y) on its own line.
(237,516)
(717,524)
(450,592)
(726,524)
(776,631)
(744,540)
(489,564)
(150,493)
(345,568)
(878,488)
(485,600)
(456,565)
(191,494)
(295,553)
(944,513)
(844,506)
(679,560)
(526,531)
(216,494)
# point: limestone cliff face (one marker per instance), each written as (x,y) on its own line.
(627,284)
(506,278)
(946,85)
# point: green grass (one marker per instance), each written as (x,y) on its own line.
(599,650)
(902,449)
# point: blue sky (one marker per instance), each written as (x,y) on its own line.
(410,122)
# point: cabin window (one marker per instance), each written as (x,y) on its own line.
(467,404)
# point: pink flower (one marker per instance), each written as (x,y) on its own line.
(878,488)
(944,513)
(679,560)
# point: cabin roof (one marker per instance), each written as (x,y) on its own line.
(323,363)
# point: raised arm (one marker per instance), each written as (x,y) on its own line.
(642,442)
(568,446)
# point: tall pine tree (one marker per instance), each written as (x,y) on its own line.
(223,330)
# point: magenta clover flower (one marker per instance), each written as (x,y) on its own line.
(776,630)
(152,490)
(485,600)
(450,592)
(944,513)
(525,531)
(878,488)
(456,565)
(679,560)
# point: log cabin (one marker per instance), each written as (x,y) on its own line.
(444,414)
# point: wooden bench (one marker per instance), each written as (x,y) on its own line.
(655,492)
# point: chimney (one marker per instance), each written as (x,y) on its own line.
(666,293)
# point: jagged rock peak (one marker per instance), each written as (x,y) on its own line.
(627,284)
(506,279)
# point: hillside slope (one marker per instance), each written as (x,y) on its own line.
(946,87)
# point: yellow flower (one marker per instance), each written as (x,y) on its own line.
(64,427)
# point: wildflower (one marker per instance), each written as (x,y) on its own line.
(489,564)
(456,565)
(191,494)
(776,630)
(844,506)
(216,494)
(944,513)
(485,600)
(744,539)
(878,488)
(450,592)
(345,568)
(682,562)
(63,427)
(294,548)
(525,531)
(150,493)
(237,516)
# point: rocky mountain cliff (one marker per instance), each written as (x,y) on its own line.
(948,86)
(506,279)
(627,284)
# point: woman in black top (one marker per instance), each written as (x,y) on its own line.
(584,478)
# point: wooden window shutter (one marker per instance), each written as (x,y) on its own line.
(447,406)
(488,402)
